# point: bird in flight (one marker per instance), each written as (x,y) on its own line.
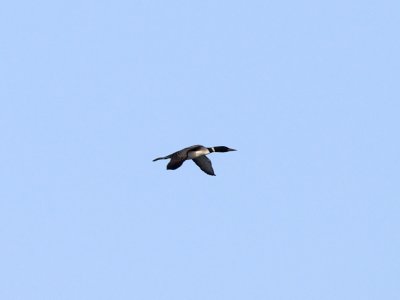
(197,153)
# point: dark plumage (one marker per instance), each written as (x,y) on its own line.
(198,154)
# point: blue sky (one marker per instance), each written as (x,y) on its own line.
(92,91)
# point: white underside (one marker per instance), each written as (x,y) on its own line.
(194,154)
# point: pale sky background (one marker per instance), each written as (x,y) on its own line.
(307,91)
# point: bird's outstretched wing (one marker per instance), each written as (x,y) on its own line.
(175,163)
(179,157)
(204,164)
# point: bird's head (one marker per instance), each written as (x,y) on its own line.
(223,149)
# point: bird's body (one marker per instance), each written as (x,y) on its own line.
(197,153)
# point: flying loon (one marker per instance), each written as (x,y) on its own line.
(197,153)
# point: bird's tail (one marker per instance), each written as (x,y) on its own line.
(158,158)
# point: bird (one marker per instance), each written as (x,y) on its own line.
(197,153)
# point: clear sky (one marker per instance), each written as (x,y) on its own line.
(307,208)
